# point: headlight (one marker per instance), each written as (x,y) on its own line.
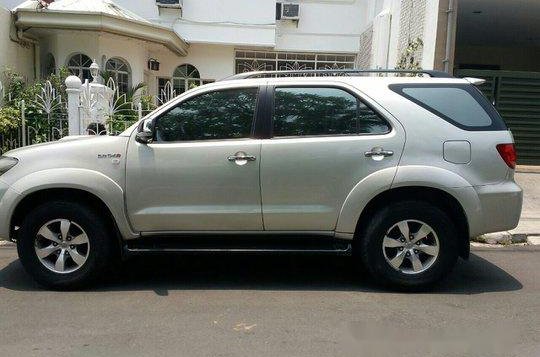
(7,163)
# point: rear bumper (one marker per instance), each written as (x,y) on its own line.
(498,208)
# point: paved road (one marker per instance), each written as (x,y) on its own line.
(275,306)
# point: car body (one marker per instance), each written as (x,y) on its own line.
(282,176)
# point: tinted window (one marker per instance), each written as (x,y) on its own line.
(300,111)
(216,115)
(462,105)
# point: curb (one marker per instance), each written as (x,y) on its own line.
(506,238)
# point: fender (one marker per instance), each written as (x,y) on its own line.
(448,181)
(407,176)
(363,192)
(91,181)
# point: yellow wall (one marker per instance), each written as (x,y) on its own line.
(12,55)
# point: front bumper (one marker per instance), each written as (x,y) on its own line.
(8,199)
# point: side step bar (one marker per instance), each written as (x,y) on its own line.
(238,245)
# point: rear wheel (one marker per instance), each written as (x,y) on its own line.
(64,244)
(409,244)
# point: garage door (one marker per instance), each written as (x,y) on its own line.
(516,96)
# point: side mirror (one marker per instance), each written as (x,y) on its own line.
(145,133)
(144,137)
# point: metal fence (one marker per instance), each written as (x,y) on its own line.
(48,121)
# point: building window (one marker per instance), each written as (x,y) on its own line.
(78,65)
(119,71)
(50,65)
(185,77)
(248,60)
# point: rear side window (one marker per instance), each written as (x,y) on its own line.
(218,115)
(308,111)
(462,105)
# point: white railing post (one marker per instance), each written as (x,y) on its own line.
(139,110)
(23,122)
(73,84)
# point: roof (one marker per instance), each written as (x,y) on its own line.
(90,6)
(96,15)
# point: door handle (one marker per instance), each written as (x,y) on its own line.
(241,157)
(378,152)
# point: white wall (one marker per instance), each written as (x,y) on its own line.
(239,22)
(12,55)
(213,61)
(325,25)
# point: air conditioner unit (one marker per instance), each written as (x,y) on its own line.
(169,3)
(290,11)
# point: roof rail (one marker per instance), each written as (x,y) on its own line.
(335,72)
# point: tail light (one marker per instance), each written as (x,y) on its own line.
(508,154)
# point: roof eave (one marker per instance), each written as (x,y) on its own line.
(87,21)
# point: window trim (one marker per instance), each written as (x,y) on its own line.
(497,122)
(253,120)
(271,88)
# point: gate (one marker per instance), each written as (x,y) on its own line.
(516,95)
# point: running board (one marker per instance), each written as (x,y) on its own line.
(239,245)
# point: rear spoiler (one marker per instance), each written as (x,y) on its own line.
(475,81)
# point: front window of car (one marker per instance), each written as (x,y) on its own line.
(217,115)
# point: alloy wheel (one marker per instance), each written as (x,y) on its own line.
(62,246)
(410,246)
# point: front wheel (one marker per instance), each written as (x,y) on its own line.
(410,244)
(64,244)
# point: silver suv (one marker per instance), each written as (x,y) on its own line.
(397,171)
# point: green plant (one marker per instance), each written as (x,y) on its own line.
(10,119)
(408,59)
(124,111)
(38,112)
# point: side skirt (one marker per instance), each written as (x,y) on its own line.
(238,244)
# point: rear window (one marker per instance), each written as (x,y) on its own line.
(462,105)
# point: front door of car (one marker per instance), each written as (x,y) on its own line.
(325,140)
(201,172)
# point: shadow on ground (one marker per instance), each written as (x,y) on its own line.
(164,273)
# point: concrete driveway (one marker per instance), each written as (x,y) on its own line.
(275,306)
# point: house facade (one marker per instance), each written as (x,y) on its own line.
(192,42)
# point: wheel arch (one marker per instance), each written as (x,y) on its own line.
(35,198)
(69,183)
(435,196)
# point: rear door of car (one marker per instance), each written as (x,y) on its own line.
(325,138)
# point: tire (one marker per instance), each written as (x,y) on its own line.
(70,272)
(377,254)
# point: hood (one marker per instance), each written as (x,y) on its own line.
(89,139)
(105,154)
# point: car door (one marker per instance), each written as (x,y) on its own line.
(201,172)
(325,139)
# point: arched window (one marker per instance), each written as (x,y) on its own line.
(78,65)
(50,65)
(120,72)
(185,77)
